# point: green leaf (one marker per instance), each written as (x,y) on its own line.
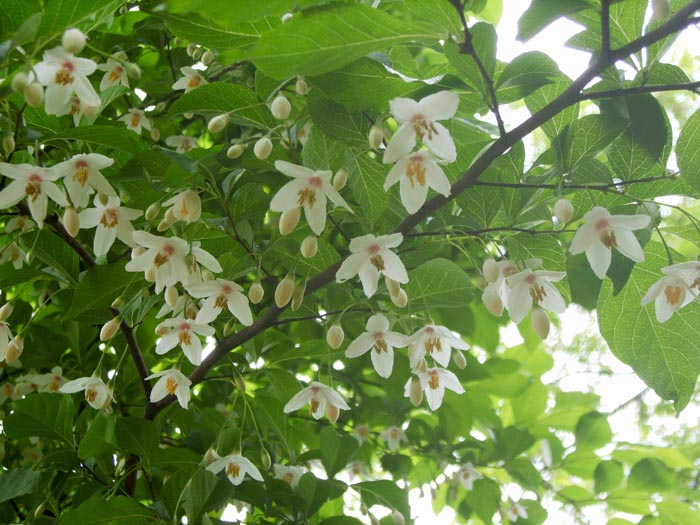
(108,136)
(203,493)
(336,450)
(588,136)
(438,13)
(341,520)
(541,13)
(592,431)
(484,41)
(18,482)
(99,438)
(337,122)
(366,180)
(665,356)
(575,494)
(120,510)
(608,476)
(308,44)
(322,152)
(137,436)
(485,498)
(386,493)
(50,249)
(440,284)
(314,491)
(42,415)
(530,404)
(546,94)
(511,442)
(62,14)
(651,475)
(14,13)
(676,512)
(524,74)
(240,103)
(688,151)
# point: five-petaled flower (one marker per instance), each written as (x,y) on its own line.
(191,79)
(393,437)
(97,394)
(674,290)
(371,258)
(418,120)
(81,173)
(468,475)
(320,397)
(171,382)
(221,294)
(309,190)
(290,475)
(602,232)
(236,467)
(36,184)
(135,119)
(415,173)
(380,341)
(181,143)
(112,221)
(434,381)
(115,73)
(529,287)
(435,341)
(163,261)
(184,332)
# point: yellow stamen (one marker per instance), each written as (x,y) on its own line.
(380,346)
(673,295)
(90,394)
(170,385)
(307,195)
(377,262)
(109,219)
(415,171)
(233,469)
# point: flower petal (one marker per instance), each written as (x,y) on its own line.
(439,106)
(413,194)
(441,143)
(628,245)
(599,257)
(360,346)
(400,144)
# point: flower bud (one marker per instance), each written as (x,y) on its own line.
(240,383)
(490,270)
(332,413)
(150,275)
(493,302)
(191,48)
(73,40)
(19,82)
(265,459)
(375,137)
(256,292)
(263,148)
(161,106)
(188,115)
(118,303)
(71,221)
(289,220)
(392,286)
(6,311)
(235,151)
(286,17)
(133,71)
(155,134)
(563,210)
(340,179)
(397,518)
(197,53)
(335,336)
(284,291)
(14,349)
(152,211)
(422,365)
(660,9)
(459,359)
(298,296)
(109,329)
(415,392)
(88,110)
(34,94)
(481,282)
(210,456)
(217,123)
(207,275)
(540,323)
(8,143)
(400,300)
(164,225)
(135,252)
(207,57)
(229,326)
(280,107)
(309,246)
(301,87)
(171,296)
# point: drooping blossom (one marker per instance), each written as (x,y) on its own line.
(5,338)
(418,120)
(97,394)
(12,253)
(435,341)
(291,475)
(64,74)
(50,382)
(171,382)
(115,72)
(200,257)
(370,258)
(34,182)
(434,381)
(185,206)
(468,475)
(528,287)
(236,467)
(319,396)
(393,437)
(185,333)
(221,294)
(112,222)
(416,172)
(163,261)
(361,433)
(515,512)
(135,119)
(670,293)
(308,189)
(182,143)
(190,80)
(20,223)
(602,232)
(380,341)
(82,172)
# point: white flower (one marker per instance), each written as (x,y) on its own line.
(309,189)
(434,381)
(50,382)
(318,396)
(181,143)
(236,467)
(184,332)
(97,394)
(291,475)
(361,433)
(36,184)
(190,80)
(135,119)
(186,206)
(64,74)
(393,437)
(527,287)
(602,232)
(171,382)
(200,257)
(688,271)
(221,293)
(435,341)
(164,259)
(415,173)
(381,341)
(112,222)
(11,252)
(468,475)
(371,257)
(670,293)
(81,173)
(418,120)
(516,511)
(5,338)
(115,74)
(21,223)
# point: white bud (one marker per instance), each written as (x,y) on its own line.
(301,87)
(492,301)
(152,211)
(400,300)
(71,221)
(340,179)
(191,48)
(19,82)
(481,282)
(14,349)
(256,292)
(335,336)
(118,303)
(397,518)
(163,225)
(289,220)
(133,71)
(375,137)
(284,291)
(88,110)
(161,330)
(34,94)
(540,323)
(415,392)
(298,297)
(207,57)
(563,210)
(660,9)
(263,148)
(188,115)
(73,40)
(171,296)
(392,286)
(8,143)
(155,134)
(285,17)
(235,151)
(280,107)
(109,329)
(490,270)
(6,311)
(135,252)
(309,246)
(217,123)
(265,459)
(197,53)
(459,359)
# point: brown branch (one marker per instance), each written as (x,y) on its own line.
(637,90)
(605,27)
(548,186)
(477,233)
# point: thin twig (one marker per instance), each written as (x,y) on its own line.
(655,88)
(605,27)
(548,186)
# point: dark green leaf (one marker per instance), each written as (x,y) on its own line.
(18,482)
(386,493)
(120,510)
(366,179)
(337,122)
(485,498)
(688,151)
(541,13)
(608,476)
(137,436)
(651,475)
(336,450)
(440,283)
(42,415)
(99,438)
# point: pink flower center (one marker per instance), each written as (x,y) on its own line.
(315,389)
(422,126)
(374,248)
(607,236)
(226,289)
(315,181)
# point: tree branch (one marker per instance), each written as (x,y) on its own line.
(637,90)
(547,186)
(605,27)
